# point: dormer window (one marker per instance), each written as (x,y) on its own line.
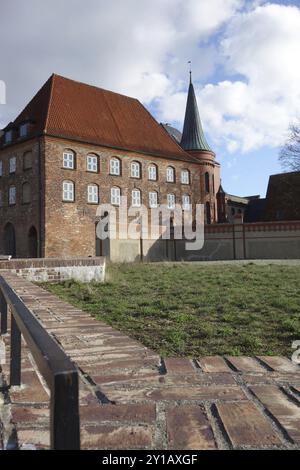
(8,136)
(23,130)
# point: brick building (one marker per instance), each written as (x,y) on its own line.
(75,146)
(283,197)
(282,202)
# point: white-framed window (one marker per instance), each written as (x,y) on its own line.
(171,201)
(1,168)
(12,195)
(1,199)
(136,198)
(115,166)
(170,174)
(186,202)
(135,170)
(152,172)
(115,196)
(185,177)
(92,163)
(12,164)
(153,199)
(23,130)
(68,160)
(68,191)
(8,137)
(93,193)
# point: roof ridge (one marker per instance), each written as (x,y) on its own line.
(94,86)
(49,103)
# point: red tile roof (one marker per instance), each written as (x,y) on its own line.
(74,110)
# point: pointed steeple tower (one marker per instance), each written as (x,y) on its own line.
(193,138)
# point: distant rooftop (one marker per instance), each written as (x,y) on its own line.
(173,132)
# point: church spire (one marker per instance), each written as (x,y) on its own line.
(193,137)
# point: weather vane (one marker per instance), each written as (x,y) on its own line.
(190,71)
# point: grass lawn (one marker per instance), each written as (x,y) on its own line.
(193,309)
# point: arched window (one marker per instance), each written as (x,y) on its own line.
(12,195)
(170,174)
(92,163)
(115,166)
(232,211)
(93,193)
(135,170)
(206,177)
(27,160)
(152,172)
(69,159)
(26,193)
(68,191)
(207,213)
(186,202)
(32,243)
(115,196)
(9,240)
(171,200)
(136,198)
(185,177)
(153,199)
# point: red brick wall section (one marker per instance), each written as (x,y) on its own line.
(23,216)
(70,227)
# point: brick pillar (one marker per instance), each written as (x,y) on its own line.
(238,237)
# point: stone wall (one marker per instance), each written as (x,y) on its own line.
(56,270)
(266,240)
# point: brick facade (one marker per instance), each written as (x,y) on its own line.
(22,215)
(68,228)
(68,115)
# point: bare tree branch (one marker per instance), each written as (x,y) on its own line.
(289,156)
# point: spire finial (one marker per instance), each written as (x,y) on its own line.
(190,71)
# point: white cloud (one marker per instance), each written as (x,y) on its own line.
(141,48)
(136,47)
(262,47)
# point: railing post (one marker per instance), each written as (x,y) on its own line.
(15,353)
(3,311)
(64,412)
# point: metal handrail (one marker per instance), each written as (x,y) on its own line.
(57,369)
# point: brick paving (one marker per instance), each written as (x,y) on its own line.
(130,398)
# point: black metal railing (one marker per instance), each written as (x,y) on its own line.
(54,365)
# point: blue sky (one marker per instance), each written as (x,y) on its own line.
(244,56)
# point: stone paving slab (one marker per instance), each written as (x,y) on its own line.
(130,398)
